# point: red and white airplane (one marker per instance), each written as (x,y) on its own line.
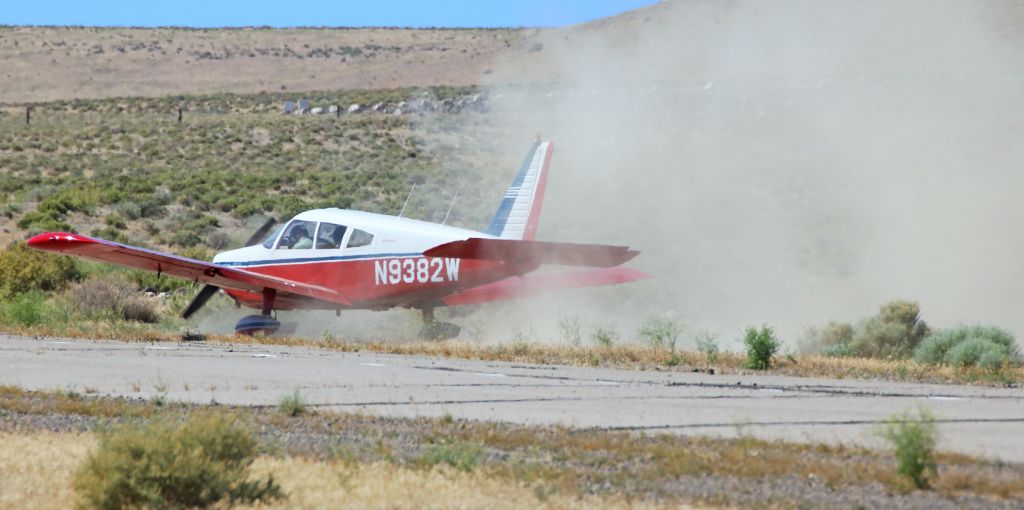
(338,259)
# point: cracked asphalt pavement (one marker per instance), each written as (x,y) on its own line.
(974,420)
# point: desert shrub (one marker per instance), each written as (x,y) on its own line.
(913,439)
(464,456)
(569,329)
(111,298)
(661,332)
(110,234)
(894,332)
(151,282)
(292,405)
(74,199)
(26,309)
(9,210)
(37,222)
(605,336)
(218,240)
(129,210)
(115,221)
(186,238)
(173,465)
(969,352)
(707,344)
(834,339)
(987,346)
(196,253)
(761,347)
(23,269)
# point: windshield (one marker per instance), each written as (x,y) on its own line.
(268,243)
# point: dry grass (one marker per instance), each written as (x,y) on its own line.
(665,457)
(68,402)
(36,469)
(625,356)
(317,484)
(529,465)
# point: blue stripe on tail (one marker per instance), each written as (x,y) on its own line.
(501,215)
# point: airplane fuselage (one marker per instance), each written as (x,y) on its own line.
(377,263)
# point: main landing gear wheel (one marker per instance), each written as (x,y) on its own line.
(253,324)
(434,330)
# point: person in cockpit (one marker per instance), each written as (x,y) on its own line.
(299,238)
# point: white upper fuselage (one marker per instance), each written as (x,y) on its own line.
(392,236)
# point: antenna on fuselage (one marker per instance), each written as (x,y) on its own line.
(407,200)
(452,204)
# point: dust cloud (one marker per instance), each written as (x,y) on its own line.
(779,162)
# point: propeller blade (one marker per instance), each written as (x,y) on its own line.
(197,302)
(261,233)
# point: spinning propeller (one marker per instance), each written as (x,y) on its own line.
(209,290)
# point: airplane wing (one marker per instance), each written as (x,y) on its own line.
(180,267)
(537,283)
(535,252)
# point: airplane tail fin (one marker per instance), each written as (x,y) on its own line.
(519,212)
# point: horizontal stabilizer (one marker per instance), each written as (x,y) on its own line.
(533,252)
(180,267)
(538,283)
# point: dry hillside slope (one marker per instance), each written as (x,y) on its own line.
(49,63)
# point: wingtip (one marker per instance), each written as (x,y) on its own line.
(56,241)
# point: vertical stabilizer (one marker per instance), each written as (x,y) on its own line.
(519,212)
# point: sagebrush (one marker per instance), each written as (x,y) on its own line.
(913,438)
(893,333)
(198,463)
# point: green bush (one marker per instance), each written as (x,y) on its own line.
(460,455)
(27,309)
(661,332)
(23,269)
(166,465)
(292,405)
(970,352)
(913,439)
(761,347)
(37,222)
(965,346)
(152,282)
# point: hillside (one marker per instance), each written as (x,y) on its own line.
(49,63)
(127,170)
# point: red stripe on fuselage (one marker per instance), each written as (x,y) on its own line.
(359,281)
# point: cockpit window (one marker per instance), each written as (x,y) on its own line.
(268,243)
(330,235)
(359,238)
(298,236)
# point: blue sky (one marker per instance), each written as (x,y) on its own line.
(402,13)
